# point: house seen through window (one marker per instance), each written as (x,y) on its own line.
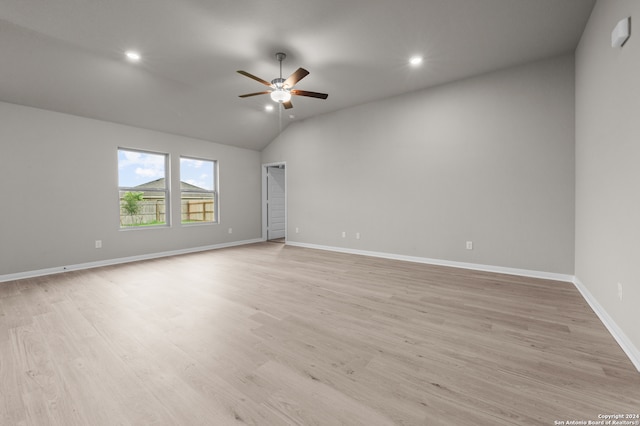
(198,192)
(143,188)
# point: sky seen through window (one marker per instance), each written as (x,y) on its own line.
(136,168)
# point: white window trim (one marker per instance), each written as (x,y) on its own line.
(166,190)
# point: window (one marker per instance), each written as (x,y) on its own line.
(198,195)
(143,188)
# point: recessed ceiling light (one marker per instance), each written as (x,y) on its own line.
(132,56)
(268,107)
(291,116)
(415,60)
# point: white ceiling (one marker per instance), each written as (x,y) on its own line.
(67,55)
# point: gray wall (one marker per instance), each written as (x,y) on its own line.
(59,179)
(608,164)
(489,159)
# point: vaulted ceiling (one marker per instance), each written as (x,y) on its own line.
(68,55)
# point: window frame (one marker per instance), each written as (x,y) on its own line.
(214,192)
(166,190)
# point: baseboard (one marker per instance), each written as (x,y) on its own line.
(440,262)
(625,343)
(107,262)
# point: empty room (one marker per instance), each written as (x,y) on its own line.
(420,212)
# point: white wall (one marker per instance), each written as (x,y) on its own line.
(608,165)
(489,159)
(58,189)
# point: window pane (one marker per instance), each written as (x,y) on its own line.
(198,207)
(137,168)
(143,208)
(196,173)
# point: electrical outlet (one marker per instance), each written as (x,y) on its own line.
(297,230)
(357,235)
(620,291)
(344,234)
(98,243)
(469,245)
(230,230)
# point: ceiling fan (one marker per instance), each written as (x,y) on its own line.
(281,90)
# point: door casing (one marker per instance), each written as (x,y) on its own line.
(265,211)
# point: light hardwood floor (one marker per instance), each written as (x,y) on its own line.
(269,334)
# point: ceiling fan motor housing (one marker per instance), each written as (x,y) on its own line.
(278,83)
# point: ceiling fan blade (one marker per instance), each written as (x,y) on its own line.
(309,94)
(295,77)
(287,105)
(254,94)
(258,79)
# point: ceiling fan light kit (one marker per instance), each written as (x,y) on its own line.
(281,95)
(281,89)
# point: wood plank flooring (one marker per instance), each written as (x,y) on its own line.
(268,334)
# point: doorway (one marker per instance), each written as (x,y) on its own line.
(274,202)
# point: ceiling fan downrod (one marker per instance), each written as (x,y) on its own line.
(277,82)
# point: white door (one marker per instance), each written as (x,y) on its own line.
(275,203)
